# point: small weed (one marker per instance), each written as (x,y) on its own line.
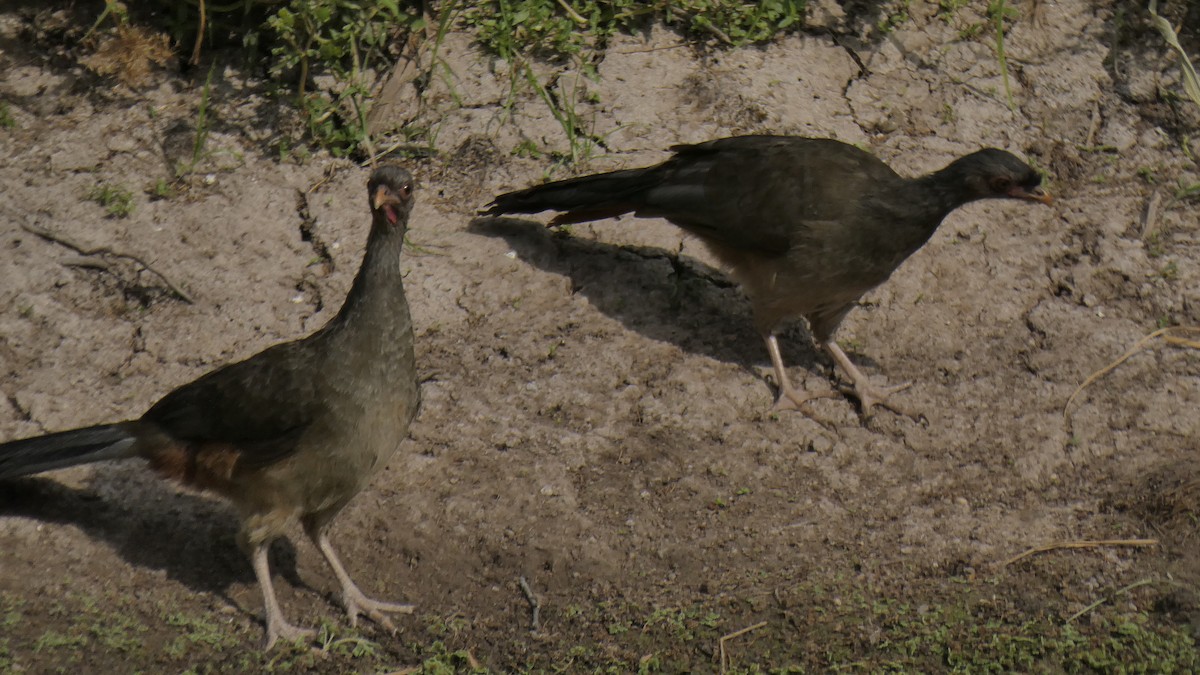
(447,626)
(55,640)
(897,17)
(1170,271)
(116,200)
(6,118)
(851,345)
(162,189)
(527,148)
(971,31)
(618,628)
(200,140)
(12,607)
(1187,192)
(948,115)
(1154,245)
(198,631)
(441,661)
(650,663)
(682,624)
(998,12)
(948,8)
(562,107)
(118,632)
(350,645)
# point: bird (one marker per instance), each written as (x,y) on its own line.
(293,432)
(805,225)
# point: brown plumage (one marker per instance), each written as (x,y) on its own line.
(806,225)
(294,431)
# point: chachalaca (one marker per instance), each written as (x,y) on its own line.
(294,431)
(807,226)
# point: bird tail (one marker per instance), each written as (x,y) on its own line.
(581,199)
(63,449)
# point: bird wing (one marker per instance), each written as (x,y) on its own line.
(762,194)
(259,406)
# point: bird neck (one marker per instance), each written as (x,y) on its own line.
(914,208)
(943,191)
(376,300)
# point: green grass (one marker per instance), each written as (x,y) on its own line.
(948,625)
(162,189)
(999,12)
(116,200)
(356,43)
(843,627)
(196,634)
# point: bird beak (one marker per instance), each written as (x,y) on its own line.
(1037,194)
(383,196)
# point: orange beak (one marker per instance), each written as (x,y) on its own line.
(383,196)
(1037,194)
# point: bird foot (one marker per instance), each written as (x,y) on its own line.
(356,603)
(870,395)
(282,630)
(794,399)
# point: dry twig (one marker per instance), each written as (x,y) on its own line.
(103,250)
(535,605)
(1101,601)
(1183,342)
(1150,215)
(199,35)
(1137,347)
(1083,543)
(734,634)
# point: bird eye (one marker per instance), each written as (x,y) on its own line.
(1001,185)
(405,191)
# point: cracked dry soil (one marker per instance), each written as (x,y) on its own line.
(596,404)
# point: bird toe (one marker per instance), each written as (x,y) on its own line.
(359,604)
(794,399)
(870,396)
(288,633)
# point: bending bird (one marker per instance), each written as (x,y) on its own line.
(807,226)
(294,431)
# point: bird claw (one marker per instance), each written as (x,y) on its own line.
(794,399)
(358,604)
(869,396)
(285,631)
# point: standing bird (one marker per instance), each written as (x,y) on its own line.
(806,225)
(294,431)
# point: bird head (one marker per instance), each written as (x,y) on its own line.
(390,190)
(996,173)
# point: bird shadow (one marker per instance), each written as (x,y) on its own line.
(192,539)
(654,292)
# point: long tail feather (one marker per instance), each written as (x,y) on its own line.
(584,198)
(63,449)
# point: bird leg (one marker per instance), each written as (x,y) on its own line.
(789,398)
(277,626)
(354,600)
(868,394)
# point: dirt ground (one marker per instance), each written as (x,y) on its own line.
(596,416)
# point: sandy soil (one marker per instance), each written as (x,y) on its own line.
(596,404)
